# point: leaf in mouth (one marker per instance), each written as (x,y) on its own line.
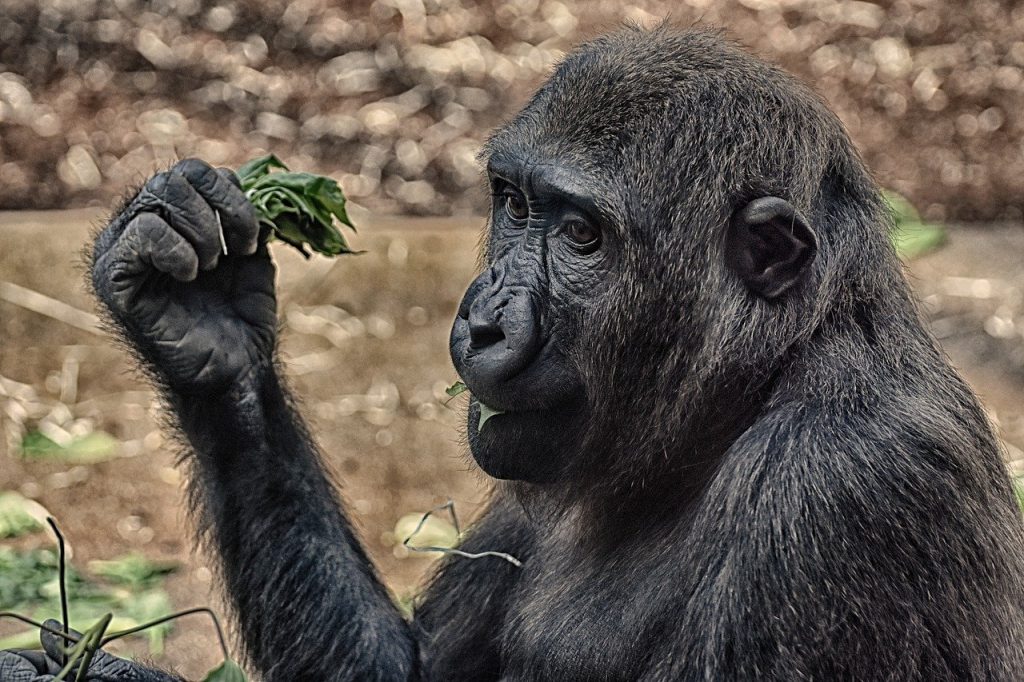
(485,415)
(458,388)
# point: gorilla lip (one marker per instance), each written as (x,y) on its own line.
(486,412)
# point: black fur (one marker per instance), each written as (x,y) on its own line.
(794,486)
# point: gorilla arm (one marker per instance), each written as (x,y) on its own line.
(203,322)
(308,602)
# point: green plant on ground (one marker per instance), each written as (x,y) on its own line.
(133,571)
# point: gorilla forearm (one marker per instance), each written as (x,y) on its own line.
(291,564)
(184,275)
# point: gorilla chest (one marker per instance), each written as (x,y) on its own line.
(579,623)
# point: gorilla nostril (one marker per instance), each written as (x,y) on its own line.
(484,333)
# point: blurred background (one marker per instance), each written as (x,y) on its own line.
(393,98)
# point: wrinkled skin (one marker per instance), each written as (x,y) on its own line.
(202,319)
(512,340)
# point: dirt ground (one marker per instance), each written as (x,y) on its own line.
(371,380)
(365,347)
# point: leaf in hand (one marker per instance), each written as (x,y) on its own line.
(299,208)
(259,167)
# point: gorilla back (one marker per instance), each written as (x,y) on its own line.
(730,450)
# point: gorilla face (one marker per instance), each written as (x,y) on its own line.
(519,338)
(518,325)
(626,255)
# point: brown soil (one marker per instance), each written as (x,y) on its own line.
(373,391)
(375,398)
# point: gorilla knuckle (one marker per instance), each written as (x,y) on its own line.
(231,176)
(193,167)
(155,188)
(201,175)
(105,273)
(177,190)
(148,226)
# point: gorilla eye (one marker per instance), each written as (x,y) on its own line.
(583,234)
(515,204)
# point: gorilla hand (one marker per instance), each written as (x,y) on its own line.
(202,319)
(43,666)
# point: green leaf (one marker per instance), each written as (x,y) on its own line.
(29,584)
(28,579)
(257,168)
(97,446)
(144,607)
(902,209)
(132,570)
(911,236)
(485,415)
(300,208)
(37,446)
(334,201)
(458,388)
(228,671)
(914,239)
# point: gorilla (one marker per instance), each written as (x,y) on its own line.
(727,447)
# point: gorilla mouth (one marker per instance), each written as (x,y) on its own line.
(524,445)
(480,413)
(486,412)
(543,384)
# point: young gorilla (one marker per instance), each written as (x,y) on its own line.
(733,452)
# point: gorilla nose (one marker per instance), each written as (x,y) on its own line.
(495,335)
(502,330)
(485,328)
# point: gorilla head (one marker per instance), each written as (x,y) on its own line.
(660,233)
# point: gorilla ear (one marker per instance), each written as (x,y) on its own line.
(769,245)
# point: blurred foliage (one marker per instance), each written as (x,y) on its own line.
(29,585)
(911,236)
(96,446)
(134,571)
(393,98)
(19,516)
(228,671)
